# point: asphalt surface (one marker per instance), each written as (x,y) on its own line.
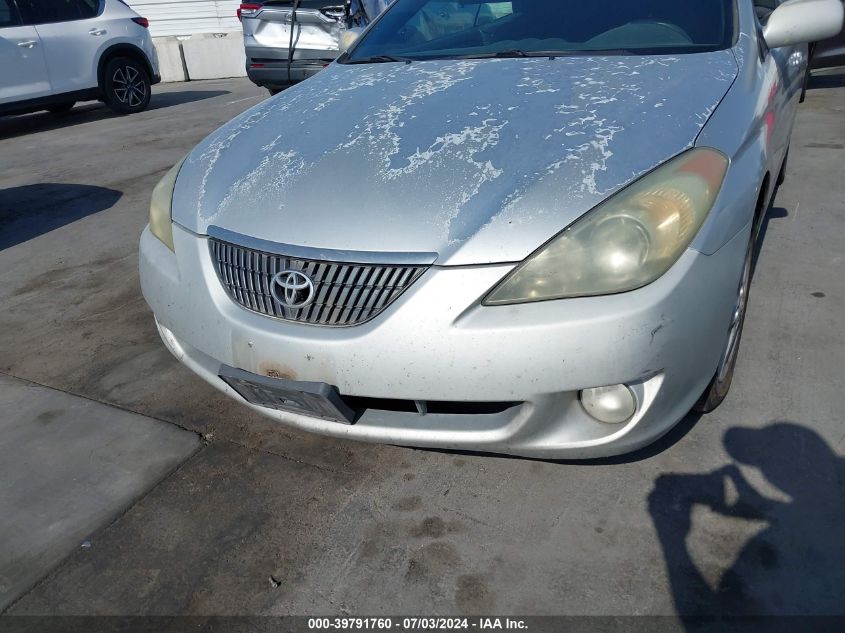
(262,519)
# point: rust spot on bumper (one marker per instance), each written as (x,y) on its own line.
(273,369)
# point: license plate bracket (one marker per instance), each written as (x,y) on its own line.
(313,399)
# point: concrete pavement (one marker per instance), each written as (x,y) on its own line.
(70,465)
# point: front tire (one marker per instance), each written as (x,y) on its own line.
(719,386)
(126,85)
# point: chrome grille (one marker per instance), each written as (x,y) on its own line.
(345,293)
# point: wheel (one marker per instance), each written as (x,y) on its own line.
(61,108)
(721,382)
(274,91)
(126,85)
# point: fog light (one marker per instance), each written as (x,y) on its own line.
(612,404)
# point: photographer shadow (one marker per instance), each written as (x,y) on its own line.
(796,564)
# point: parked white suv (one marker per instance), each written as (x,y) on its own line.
(54,53)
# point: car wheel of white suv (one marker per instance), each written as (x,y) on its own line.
(126,85)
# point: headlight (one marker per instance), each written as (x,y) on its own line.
(627,241)
(161,220)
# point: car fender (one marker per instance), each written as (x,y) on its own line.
(740,129)
(122,44)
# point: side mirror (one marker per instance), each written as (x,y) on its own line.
(348,37)
(803,21)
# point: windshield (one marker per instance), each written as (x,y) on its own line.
(433,29)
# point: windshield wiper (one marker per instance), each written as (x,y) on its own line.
(516,52)
(511,52)
(379,59)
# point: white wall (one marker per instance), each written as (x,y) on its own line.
(195,39)
(186,17)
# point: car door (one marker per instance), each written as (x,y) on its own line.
(71,36)
(23,71)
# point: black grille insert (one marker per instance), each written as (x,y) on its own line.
(345,293)
(433,406)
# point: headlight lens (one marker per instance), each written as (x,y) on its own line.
(161,220)
(627,241)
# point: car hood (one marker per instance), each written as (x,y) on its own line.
(479,161)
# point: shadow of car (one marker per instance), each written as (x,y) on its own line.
(32,210)
(30,123)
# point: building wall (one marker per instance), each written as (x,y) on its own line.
(188,17)
(195,39)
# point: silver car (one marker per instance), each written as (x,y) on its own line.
(829,53)
(528,233)
(287,41)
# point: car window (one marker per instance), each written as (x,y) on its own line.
(48,11)
(438,19)
(8,15)
(426,29)
(90,7)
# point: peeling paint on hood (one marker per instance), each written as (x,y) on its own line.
(480,161)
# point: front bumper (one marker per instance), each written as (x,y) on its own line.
(437,343)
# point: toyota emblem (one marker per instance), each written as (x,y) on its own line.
(292,288)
